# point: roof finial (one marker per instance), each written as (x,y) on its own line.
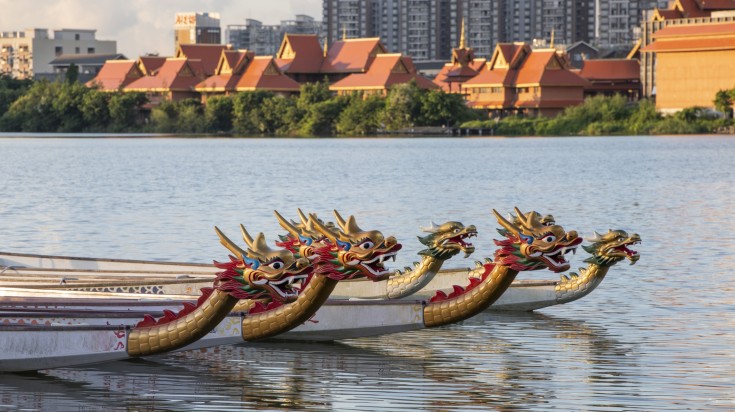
(462,44)
(325,47)
(552,37)
(344,31)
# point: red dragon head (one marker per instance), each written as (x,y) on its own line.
(534,243)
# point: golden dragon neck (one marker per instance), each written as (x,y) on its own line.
(151,340)
(413,280)
(286,317)
(579,286)
(472,302)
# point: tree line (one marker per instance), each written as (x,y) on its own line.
(71,107)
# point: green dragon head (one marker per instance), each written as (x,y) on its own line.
(612,247)
(447,240)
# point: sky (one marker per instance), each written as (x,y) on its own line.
(143,26)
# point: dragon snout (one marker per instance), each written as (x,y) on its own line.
(390,241)
(571,235)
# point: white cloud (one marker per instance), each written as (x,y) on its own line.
(142,26)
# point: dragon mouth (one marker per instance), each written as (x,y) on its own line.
(466,247)
(375,268)
(632,255)
(556,260)
(284,289)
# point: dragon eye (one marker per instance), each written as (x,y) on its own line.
(457,230)
(277,265)
(367,245)
(550,239)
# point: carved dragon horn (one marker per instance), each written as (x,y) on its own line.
(230,245)
(340,221)
(351,226)
(596,237)
(290,228)
(505,223)
(302,216)
(525,222)
(260,246)
(322,229)
(430,229)
(246,236)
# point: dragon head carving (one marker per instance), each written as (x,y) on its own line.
(612,247)
(447,240)
(259,271)
(534,242)
(356,252)
(303,237)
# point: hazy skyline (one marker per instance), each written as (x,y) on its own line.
(141,26)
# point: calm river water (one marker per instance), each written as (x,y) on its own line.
(655,336)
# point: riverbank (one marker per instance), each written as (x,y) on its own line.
(407,111)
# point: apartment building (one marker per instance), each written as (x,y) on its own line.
(265,39)
(28,53)
(197,28)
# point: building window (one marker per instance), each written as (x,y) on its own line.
(90,50)
(77,50)
(59,50)
(76,36)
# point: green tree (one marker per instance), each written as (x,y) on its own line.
(723,102)
(313,93)
(218,114)
(72,73)
(246,110)
(361,116)
(443,109)
(125,108)
(321,118)
(34,111)
(402,106)
(95,110)
(67,104)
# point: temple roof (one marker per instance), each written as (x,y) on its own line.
(115,74)
(385,71)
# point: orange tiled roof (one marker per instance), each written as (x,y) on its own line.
(696,30)
(385,71)
(262,73)
(611,69)
(115,74)
(691,37)
(300,53)
(176,74)
(256,73)
(209,54)
(351,55)
(149,64)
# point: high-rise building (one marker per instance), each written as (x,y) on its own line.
(266,39)
(428,29)
(28,53)
(197,28)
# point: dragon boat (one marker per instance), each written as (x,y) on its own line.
(422,281)
(42,332)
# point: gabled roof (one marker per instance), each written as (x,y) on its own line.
(351,55)
(115,74)
(251,73)
(209,54)
(611,69)
(300,53)
(517,65)
(176,74)
(148,65)
(385,71)
(715,5)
